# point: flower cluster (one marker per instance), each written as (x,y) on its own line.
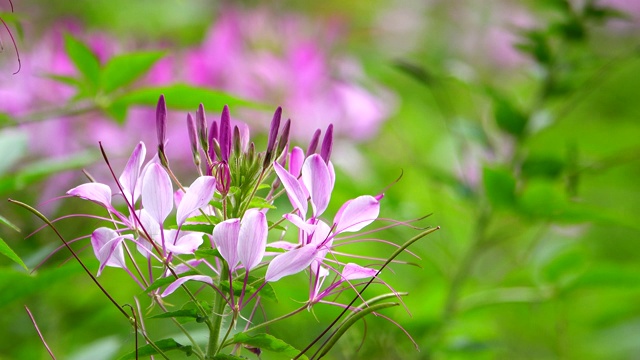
(220,234)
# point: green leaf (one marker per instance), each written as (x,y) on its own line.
(8,223)
(84,59)
(67,80)
(509,118)
(204,228)
(8,252)
(536,44)
(207,253)
(123,69)
(267,342)
(542,166)
(260,203)
(164,345)
(190,313)
(542,199)
(181,96)
(499,186)
(40,170)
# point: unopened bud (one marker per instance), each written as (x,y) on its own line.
(273,130)
(314,143)
(201,125)
(284,139)
(213,136)
(223,178)
(225,134)
(191,127)
(237,141)
(327,144)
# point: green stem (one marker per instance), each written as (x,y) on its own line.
(216,316)
(267,323)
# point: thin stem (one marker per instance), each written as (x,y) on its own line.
(272,321)
(104,291)
(358,296)
(39,333)
(216,316)
(199,351)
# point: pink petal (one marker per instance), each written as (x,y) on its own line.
(96,192)
(291,262)
(177,197)
(357,213)
(300,223)
(197,196)
(353,271)
(322,240)
(176,284)
(157,194)
(182,268)
(129,178)
(296,159)
(282,245)
(317,179)
(252,240)
(225,236)
(188,243)
(296,195)
(106,247)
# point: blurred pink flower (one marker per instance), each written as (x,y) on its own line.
(285,60)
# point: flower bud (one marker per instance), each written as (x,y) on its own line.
(191,127)
(213,136)
(225,134)
(222,174)
(313,144)
(327,144)
(201,125)
(161,129)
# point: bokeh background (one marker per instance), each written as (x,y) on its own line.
(514,123)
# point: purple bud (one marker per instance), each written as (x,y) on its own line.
(222,174)
(314,143)
(284,138)
(201,124)
(213,135)
(237,141)
(161,122)
(273,130)
(327,144)
(225,134)
(191,127)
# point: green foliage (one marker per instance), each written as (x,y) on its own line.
(164,345)
(122,70)
(267,342)
(85,61)
(180,96)
(6,251)
(500,187)
(509,118)
(40,170)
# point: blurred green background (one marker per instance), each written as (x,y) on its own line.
(515,124)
